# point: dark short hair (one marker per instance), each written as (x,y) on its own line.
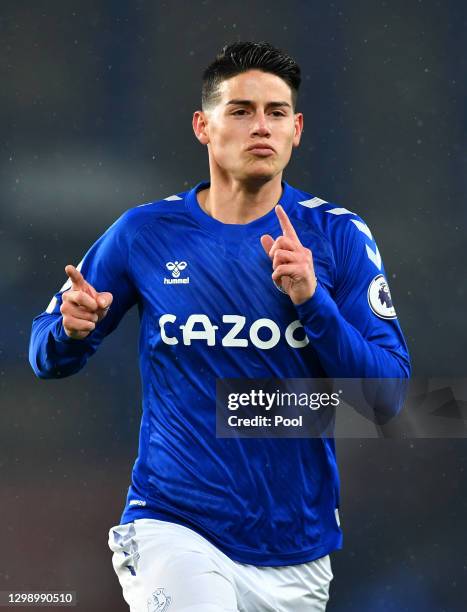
(242,56)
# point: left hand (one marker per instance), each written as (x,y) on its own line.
(291,261)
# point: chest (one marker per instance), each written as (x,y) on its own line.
(191,271)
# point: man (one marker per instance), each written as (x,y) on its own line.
(242,276)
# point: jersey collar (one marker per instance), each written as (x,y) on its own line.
(266,224)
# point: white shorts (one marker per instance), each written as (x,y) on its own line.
(164,566)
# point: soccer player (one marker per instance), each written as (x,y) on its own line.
(242,276)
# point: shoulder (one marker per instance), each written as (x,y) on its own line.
(336,222)
(134,219)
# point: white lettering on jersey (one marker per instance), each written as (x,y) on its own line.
(167,318)
(290,337)
(208,333)
(230,339)
(272,326)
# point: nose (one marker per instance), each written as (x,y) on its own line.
(260,125)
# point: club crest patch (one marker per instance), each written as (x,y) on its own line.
(379,298)
(159,601)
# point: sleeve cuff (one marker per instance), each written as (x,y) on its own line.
(320,303)
(61,337)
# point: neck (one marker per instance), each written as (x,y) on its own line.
(239,202)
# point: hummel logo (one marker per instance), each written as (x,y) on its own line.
(175,267)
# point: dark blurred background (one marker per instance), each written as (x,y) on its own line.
(96,105)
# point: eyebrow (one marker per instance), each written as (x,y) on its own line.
(251,103)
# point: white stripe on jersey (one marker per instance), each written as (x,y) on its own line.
(340,211)
(363,228)
(313,203)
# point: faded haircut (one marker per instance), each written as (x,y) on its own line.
(242,56)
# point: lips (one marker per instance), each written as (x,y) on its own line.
(260,146)
(261,150)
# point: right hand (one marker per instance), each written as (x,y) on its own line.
(82,306)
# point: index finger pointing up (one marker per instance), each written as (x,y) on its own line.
(75,276)
(286,225)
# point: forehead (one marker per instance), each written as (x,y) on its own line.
(255,85)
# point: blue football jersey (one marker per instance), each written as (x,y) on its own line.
(209,309)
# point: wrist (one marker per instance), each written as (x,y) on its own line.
(307,296)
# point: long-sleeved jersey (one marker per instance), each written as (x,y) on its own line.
(209,309)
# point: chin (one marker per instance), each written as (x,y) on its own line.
(259,176)
(264,171)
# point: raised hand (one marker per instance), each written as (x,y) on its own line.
(82,306)
(292,263)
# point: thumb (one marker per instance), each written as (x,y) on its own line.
(267,241)
(104,299)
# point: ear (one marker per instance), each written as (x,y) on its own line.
(200,124)
(298,127)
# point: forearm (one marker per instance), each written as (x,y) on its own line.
(52,354)
(342,349)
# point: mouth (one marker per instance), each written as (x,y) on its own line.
(261,151)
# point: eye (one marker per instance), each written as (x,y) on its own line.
(240,110)
(278,114)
